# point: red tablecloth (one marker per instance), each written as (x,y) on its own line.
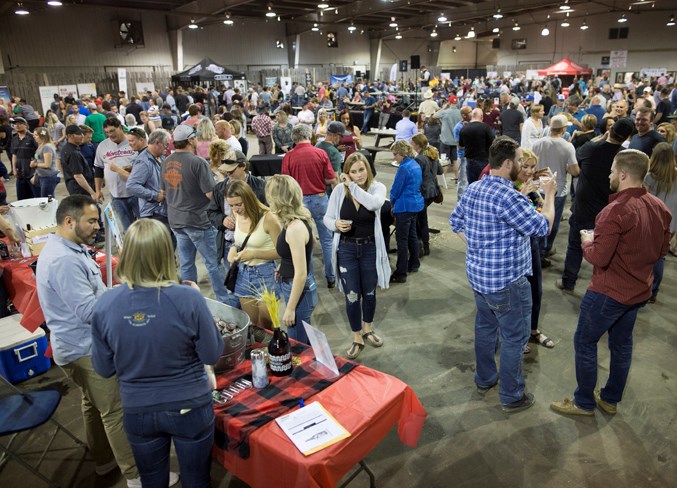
(366,402)
(20,282)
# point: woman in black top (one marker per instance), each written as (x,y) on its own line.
(295,247)
(429,159)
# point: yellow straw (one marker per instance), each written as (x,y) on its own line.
(272,304)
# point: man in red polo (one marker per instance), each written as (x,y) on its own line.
(311,168)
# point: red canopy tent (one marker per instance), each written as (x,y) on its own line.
(565,67)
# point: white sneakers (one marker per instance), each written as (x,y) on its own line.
(136,482)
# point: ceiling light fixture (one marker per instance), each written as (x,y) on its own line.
(565,22)
(458,37)
(671,22)
(315,28)
(270,12)
(433,33)
(622,19)
(495,30)
(351,27)
(565,5)
(498,14)
(471,33)
(441,18)
(54,3)
(193,25)
(21,10)
(545,32)
(516,26)
(584,25)
(392,22)
(228,20)
(322,5)
(398,36)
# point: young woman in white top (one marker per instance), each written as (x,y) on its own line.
(256,260)
(359,254)
(532,129)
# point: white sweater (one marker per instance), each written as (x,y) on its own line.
(372,200)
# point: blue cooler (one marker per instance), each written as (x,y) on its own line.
(22,354)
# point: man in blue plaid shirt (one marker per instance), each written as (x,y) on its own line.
(496,221)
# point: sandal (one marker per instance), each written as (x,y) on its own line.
(372,339)
(355,350)
(527,349)
(542,339)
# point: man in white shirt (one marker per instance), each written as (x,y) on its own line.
(113,163)
(225,131)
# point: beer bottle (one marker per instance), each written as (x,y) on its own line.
(279,353)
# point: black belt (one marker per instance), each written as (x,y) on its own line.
(358,240)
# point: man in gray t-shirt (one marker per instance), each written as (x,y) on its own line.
(559,155)
(188,186)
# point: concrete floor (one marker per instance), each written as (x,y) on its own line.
(467,441)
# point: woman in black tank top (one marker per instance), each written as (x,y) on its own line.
(294,245)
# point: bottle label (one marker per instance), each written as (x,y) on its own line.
(280,363)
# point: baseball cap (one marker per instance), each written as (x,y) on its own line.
(647,89)
(529,98)
(91,106)
(228,165)
(184,132)
(336,128)
(622,129)
(453,98)
(73,130)
(559,121)
(515,101)
(20,120)
(560,97)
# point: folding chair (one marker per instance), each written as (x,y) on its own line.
(21,412)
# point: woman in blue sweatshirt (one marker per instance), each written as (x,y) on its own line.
(156,334)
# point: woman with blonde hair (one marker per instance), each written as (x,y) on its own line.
(207,135)
(295,248)
(256,234)
(44,162)
(155,335)
(321,125)
(587,131)
(406,201)
(428,158)
(669,133)
(661,181)
(219,151)
(282,133)
(237,130)
(148,125)
(359,255)
(532,130)
(57,131)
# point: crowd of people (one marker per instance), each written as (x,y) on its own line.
(175,165)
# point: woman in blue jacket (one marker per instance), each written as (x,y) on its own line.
(406,201)
(156,334)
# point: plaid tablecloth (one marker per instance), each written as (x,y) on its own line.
(254,408)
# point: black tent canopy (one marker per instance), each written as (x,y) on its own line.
(207,70)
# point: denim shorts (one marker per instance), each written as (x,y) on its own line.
(252,280)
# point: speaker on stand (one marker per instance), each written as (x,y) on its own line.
(416,65)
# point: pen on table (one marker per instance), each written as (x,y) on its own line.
(301,403)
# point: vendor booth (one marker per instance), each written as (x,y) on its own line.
(209,71)
(565,67)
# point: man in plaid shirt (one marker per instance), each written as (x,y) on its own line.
(262,125)
(496,221)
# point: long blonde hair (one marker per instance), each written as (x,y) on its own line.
(254,209)
(147,257)
(662,168)
(285,198)
(206,127)
(52,120)
(218,150)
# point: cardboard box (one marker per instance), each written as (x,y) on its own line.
(37,238)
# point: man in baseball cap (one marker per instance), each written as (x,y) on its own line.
(184,132)
(335,131)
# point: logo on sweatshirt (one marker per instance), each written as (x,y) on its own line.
(138,319)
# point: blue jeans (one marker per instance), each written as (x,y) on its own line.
(367,119)
(657,276)
(304,307)
(600,314)
(574,256)
(506,313)
(48,185)
(407,243)
(317,205)
(252,280)
(126,210)
(190,240)
(357,270)
(474,168)
(151,433)
(462,177)
(25,190)
(550,239)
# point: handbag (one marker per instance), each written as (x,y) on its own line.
(35,179)
(439,198)
(231,276)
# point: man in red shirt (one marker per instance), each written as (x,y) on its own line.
(311,168)
(262,125)
(631,234)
